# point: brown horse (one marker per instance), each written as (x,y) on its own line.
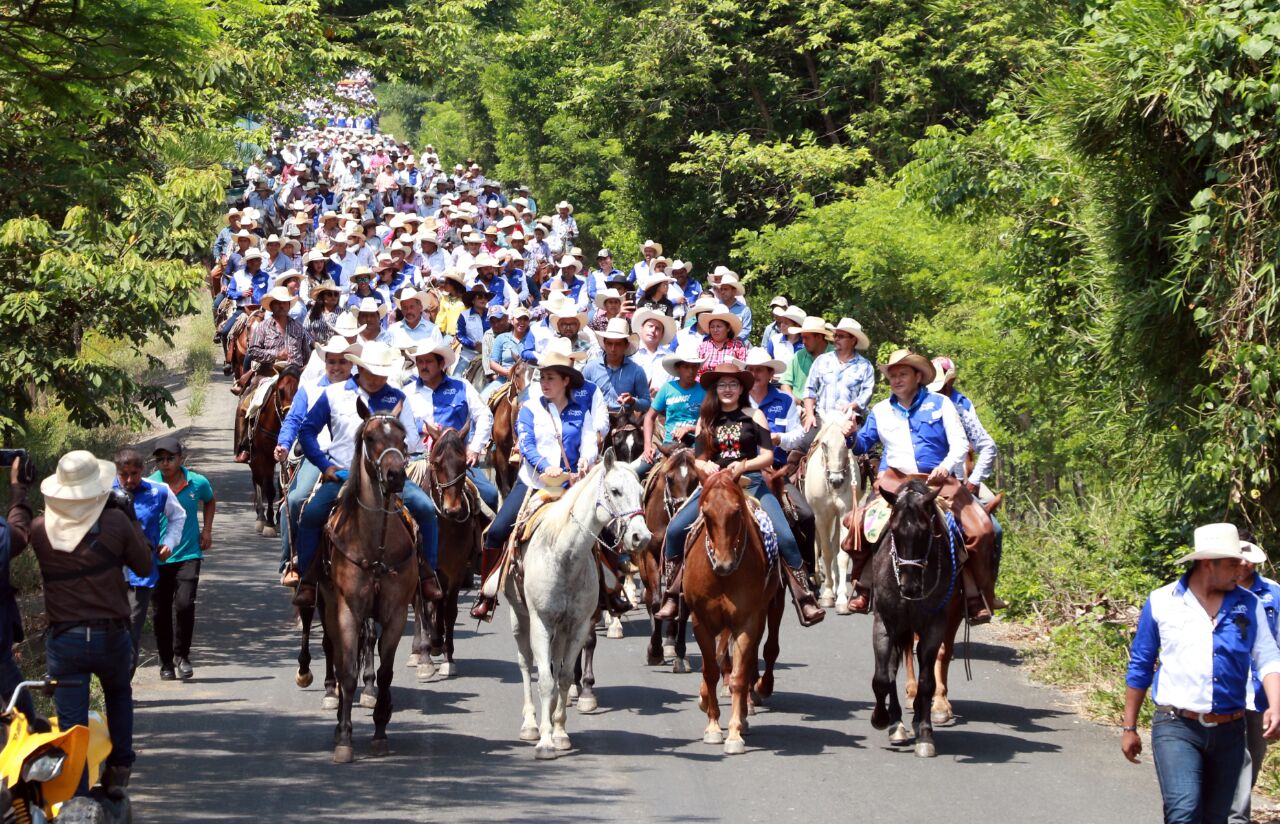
(238,339)
(732,591)
(371,550)
(267,491)
(504,428)
(461,525)
(670,483)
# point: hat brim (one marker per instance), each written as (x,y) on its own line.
(861,342)
(773,363)
(51,487)
(385,371)
(639,319)
(1253,553)
(918,362)
(575,377)
(446,352)
(704,322)
(744,379)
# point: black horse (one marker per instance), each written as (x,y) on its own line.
(626,434)
(915,578)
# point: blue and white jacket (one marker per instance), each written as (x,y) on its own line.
(537,425)
(336,410)
(916,440)
(450,405)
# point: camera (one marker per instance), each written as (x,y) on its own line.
(26,468)
(122,500)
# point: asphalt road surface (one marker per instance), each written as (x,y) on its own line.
(241,742)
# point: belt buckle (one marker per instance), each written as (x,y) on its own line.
(1200,717)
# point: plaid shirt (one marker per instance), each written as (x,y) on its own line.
(269,339)
(714,355)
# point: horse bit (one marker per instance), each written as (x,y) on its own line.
(602,502)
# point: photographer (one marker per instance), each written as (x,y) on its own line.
(86,535)
(13,538)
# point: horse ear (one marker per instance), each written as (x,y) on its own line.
(891,497)
(608,460)
(395,413)
(933,494)
(362,409)
(667,448)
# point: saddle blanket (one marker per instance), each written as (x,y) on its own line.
(875,517)
(260,395)
(768,535)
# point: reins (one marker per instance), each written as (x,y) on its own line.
(923,565)
(739,543)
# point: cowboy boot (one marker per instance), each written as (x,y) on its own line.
(485,604)
(115,779)
(306,593)
(673,573)
(860,603)
(806,604)
(430,584)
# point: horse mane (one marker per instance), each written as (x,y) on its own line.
(450,437)
(557,519)
(291,371)
(722,479)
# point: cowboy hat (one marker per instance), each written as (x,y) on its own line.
(778,305)
(560,357)
(851,327)
(484,259)
(794,314)
(278,293)
(730,279)
(313,255)
(649,244)
(410,293)
(728,369)
(252,253)
(347,325)
(230,214)
(946,369)
(558,310)
(606,294)
(619,329)
(641,317)
(376,358)
(323,286)
(272,239)
(686,352)
(569,262)
(685,265)
(719,273)
(369,304)
(74,497)
(285,275)
(1253,553)
(436,346)
(759,356)
(651,280)
(453,275)
(336,345)
(704,303)
(720,312)
(905,357)
(564,204)
(1216,541)
(814,325)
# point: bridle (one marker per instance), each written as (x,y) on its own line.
(924,564)
(378,567)
(437,492)
(738,543)
(835,479)
(615,516)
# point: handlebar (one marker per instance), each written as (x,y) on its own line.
(46,686)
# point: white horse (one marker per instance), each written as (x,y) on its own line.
(551,614)
(830,485)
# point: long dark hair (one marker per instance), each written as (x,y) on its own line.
(707,413)
(317,307)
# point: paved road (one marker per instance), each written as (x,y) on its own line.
(241,742)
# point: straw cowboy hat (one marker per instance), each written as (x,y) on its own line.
(1253,553)
(324,286)
(437,347)
(729,369)
(778,305)
(815,325)
(410,293)
(485,259)
(651,280)
(280,293)
(720,312)
(619,329)
(558,357)
(686,352)
(683,265)
(1221,541)
(563,308)
(758,356)
(369,304)
(792,313)
(347,325)
(377,358)
(852,327)
(704,303)
(286,275)
(336,345)
(905,357)
(649,244)
(606,294)
(946,369)
(719,273)
(253,253)
(569,262)
(641,317)
(564,204)
(730,279)
(454,276)
(230,214)
(74,497)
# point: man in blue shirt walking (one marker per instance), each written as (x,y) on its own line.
(1268,593)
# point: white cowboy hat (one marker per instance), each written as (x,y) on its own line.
(852,327)
(686,265)
(1214,541)
(792,313)
(370,305)
(436,347)
(704,303)
(564,204)
(686,352)
(651,280)
(280,293)
(410,293)
(336,345)
(558,310)
(347,325)
(649,244)
(946,369)
(730,279)
(1253,553)
(719,273)
(606,294)
(323,286)
(273,239)
(485,259)
(377,358)
(569,262)
(778,305)
(619,329)
(758,356)
(814,325)
(285,275)
(253,253)
(640,318)
(720,312)
(473,237)
(74,497)
(905,357)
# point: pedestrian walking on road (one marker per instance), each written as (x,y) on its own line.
(175,594)
(1268,592)
(1207,634)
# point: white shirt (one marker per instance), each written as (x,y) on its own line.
(345,423)
(546,426)
(425,333)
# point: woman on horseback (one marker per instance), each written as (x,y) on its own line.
(733,437)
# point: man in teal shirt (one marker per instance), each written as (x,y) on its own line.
(678,401)
(180,571)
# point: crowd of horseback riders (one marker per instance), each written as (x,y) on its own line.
(361,283)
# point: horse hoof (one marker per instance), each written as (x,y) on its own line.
(414,659)
(269,532)
(926,750)
(668,650)
(329,702)
(561,743)
(448,669)
(827,602)
(545,753)
(368,700)
(715,737)
(380,747)
(901,735)
(735,746)
(343,755)
(303,679)
(842,608)
(588,703)
(260,525)
(529,733)
(436,649)
(681,665)
(427,671)
(573,692)
(757,700)
(941,719)
(615,630)
(653,660)
(879,719)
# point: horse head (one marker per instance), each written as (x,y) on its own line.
(626,436)
(679,478)
(911,529)
(448,468)
(834,452)
(622,496)
(724,514)
(520,375)
(285,389)
(380,446)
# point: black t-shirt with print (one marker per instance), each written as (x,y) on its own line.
(736,436)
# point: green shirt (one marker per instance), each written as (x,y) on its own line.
(193,497)
(797,374)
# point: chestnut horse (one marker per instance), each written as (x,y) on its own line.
(267,491)
(732,590)
(238,340)
(670,483)
(372,554)
(504,428)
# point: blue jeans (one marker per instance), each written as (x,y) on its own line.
(304,480)
(999,540)
(231,321)
(505,518)
(678,529)
(642,467)
(80,652)
(1198,767)
(488,490)
(317,511)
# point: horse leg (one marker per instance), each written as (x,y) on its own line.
(269,498)
(680,648)
(772,646)
(346,664)
(586,678)
(368,640)
(942,711)
(548,683)
(826,551)
(261,522)
(921,720)
(746,649)
(394,617)
(304,677)
(908,660)
(449,668)
(708,702)
(330,700)
(844,566)
(882,682)
(524,658)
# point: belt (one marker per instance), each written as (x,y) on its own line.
(92,623)
(1208,719)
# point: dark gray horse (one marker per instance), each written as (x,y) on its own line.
(914,575)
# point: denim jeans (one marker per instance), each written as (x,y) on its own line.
(505,518)
(79,652)
(1198,767)
(316,513)
(487,488)
(139,603)
(1242,803)
(678,529)
(304,480)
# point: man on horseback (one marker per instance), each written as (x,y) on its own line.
(623,383)
(337,411)
(838,386)
(278,339)
(733,438)
(921,433)
(440,402)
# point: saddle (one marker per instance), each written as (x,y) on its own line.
(531,514)
(764,524)
(330,543)
(501,394)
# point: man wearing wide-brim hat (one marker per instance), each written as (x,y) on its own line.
(921,435)
(815,338)
(413,328)
(82,544)
(337,410)
(654,331)
(840,382)
(624,383)
(563,224)
(280,341)
(1198,641)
